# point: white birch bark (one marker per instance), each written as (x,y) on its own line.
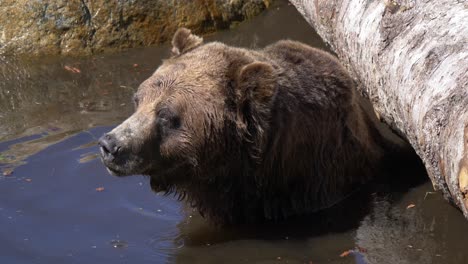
(410,58)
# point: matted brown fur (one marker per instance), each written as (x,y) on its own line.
(248,135)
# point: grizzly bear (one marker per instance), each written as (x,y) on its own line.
(247,136)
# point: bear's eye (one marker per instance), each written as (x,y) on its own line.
(136,100)
(167,118)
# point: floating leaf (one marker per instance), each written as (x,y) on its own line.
(28,180)
(99,189)
(7,171)
(72,69)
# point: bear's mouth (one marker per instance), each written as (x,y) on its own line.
(114,172)
(110,165)
(122,162)
(127,169)
(123,167)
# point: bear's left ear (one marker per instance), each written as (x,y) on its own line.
(256,82)
(184,41)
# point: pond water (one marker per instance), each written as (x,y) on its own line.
(59,205)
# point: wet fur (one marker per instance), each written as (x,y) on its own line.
(291,139)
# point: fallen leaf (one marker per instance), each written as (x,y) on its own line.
(99,189)
(7,171)
(410,206)
(72,69)
(346,253)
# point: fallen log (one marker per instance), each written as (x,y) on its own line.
(410,58)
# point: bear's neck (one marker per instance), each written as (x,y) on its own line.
(259,179)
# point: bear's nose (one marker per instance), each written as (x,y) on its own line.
(109,146)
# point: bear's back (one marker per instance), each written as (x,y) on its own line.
(317,75)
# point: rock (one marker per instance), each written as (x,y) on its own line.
(79,27)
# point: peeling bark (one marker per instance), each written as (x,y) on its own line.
(410,57)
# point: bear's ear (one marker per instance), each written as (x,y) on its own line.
(256,82)
(184,41)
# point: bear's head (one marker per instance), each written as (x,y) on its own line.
(199,115)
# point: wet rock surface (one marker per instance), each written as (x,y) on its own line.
(84,27)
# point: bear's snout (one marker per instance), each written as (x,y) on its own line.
(109,147)
(112,155)
(123,150)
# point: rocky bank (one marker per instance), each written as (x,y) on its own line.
(39,27)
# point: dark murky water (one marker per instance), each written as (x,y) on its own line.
(59,205)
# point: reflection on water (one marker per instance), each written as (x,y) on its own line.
(44,98)
(58,205)
(39,96)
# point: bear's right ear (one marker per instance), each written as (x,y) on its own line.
(256,82)
(184,41)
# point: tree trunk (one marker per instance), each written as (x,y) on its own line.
(410,57)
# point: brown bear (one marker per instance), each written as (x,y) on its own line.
(247,135)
